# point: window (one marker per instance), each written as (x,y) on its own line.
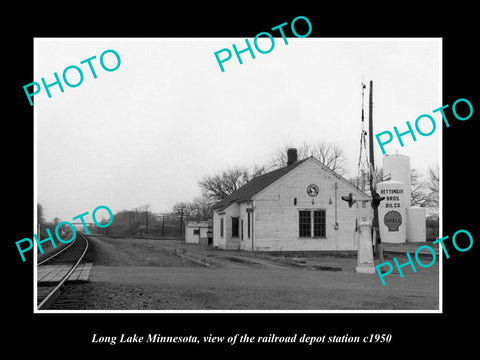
(235,227)
(241,230)
(319,225)
(248,225)
(221,227)
(304,221)
(309,228)
(196,231)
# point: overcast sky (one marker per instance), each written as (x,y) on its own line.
(149,131)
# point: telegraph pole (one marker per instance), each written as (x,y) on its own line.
(181,221)
(163,225)
(373,188)
(370,131)
(363,166)
(146,221)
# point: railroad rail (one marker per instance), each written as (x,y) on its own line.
(75,255)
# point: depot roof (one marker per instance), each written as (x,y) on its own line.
(257,184)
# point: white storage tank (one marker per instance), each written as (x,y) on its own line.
(398,168)
(392,219)
(417,225)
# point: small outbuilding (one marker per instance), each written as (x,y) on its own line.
(197,232)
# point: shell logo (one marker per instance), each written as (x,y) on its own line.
(393,220)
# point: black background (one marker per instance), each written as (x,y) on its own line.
(413,334)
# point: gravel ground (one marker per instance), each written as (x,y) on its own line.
(111,296)
(133,252)
(140,274)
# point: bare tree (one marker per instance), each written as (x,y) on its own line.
(418,196)
(198,209)
(377,178)
(425,192)
(218,187)
(433,179)
(144,208)
(433,184)
(179,207)
(329,154)
(40,214)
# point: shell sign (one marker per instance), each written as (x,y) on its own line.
(393,220)
(391,211)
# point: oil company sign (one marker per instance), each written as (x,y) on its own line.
(393,220)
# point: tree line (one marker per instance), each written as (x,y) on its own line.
(141,221)
(425,187)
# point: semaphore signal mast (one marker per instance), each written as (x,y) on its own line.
(363,164)
(366,166)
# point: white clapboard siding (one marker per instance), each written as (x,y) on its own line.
(226,242)
(217,240)
(274,223)
(276,216)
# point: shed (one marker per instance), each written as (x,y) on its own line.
(196,232)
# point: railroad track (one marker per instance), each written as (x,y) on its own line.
(55,270)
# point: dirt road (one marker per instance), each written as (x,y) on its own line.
(145,274)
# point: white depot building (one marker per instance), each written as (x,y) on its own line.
(297,207)
(398,220)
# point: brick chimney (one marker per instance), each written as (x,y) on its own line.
(291,156)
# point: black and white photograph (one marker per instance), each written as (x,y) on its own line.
(226,190)
(228,183)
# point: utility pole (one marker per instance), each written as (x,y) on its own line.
(146,221)
(370,131)
(373,188)
(163,225)
(181,221)
(363,165)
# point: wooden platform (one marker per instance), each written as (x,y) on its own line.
(50,274)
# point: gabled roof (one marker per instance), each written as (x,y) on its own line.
(254,186)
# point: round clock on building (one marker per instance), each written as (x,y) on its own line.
(312,190)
